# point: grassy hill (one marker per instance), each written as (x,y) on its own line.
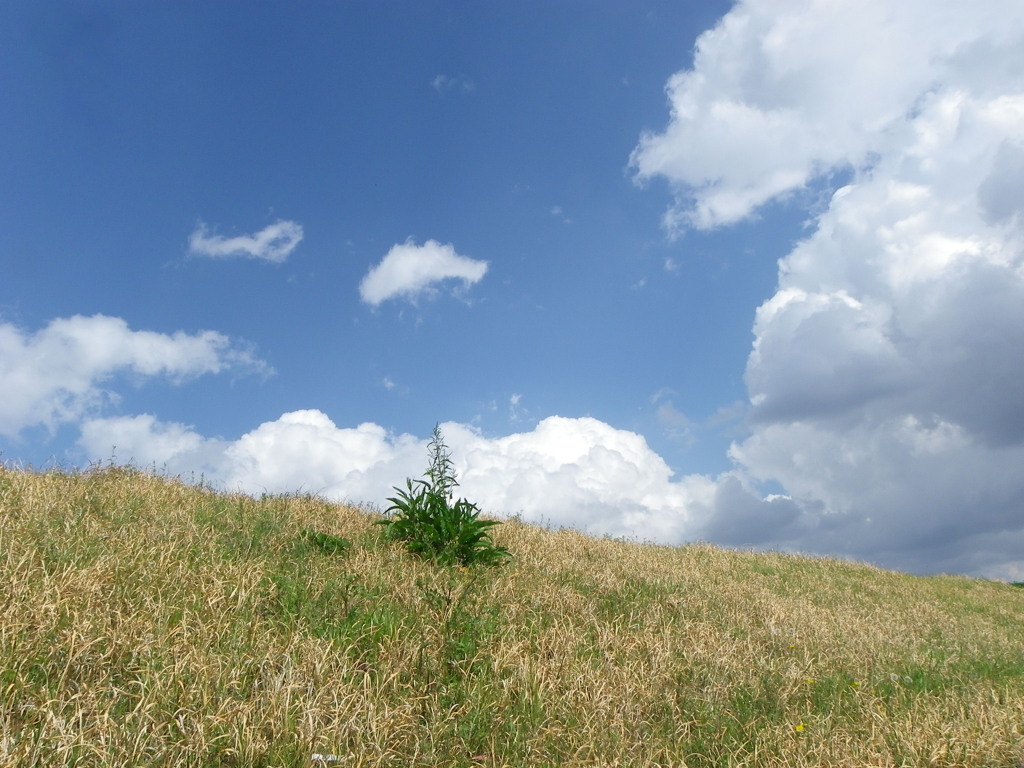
(145,622)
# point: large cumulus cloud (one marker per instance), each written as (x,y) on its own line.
(565,472)
(885,378)
(782,91)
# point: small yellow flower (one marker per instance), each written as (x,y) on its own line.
(800,727)
(810,680)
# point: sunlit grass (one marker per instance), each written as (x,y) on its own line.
(148,622)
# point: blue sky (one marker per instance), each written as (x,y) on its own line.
(667,270)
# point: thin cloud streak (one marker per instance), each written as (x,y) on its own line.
(273,243)
(445,83)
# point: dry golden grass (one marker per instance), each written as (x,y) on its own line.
(144,622)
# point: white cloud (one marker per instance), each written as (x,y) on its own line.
(445,83)
(581,473)
(574,472)
(272,243)
(302,450)
(515,413)
(143,441)
(558,212)
(885,379)
(56,375)
(676,424)
(782,91)
(585,474)
(409,270)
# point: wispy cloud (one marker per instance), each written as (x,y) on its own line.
(515,411)
(677,425)
(556,211)
(448,83)
(274,243)
(409,271)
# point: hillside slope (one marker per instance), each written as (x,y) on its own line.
(144,621)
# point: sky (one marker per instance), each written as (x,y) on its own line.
(745,273)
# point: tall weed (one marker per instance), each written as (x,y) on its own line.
(435,526)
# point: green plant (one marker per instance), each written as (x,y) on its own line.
(325,542)
(432,524)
